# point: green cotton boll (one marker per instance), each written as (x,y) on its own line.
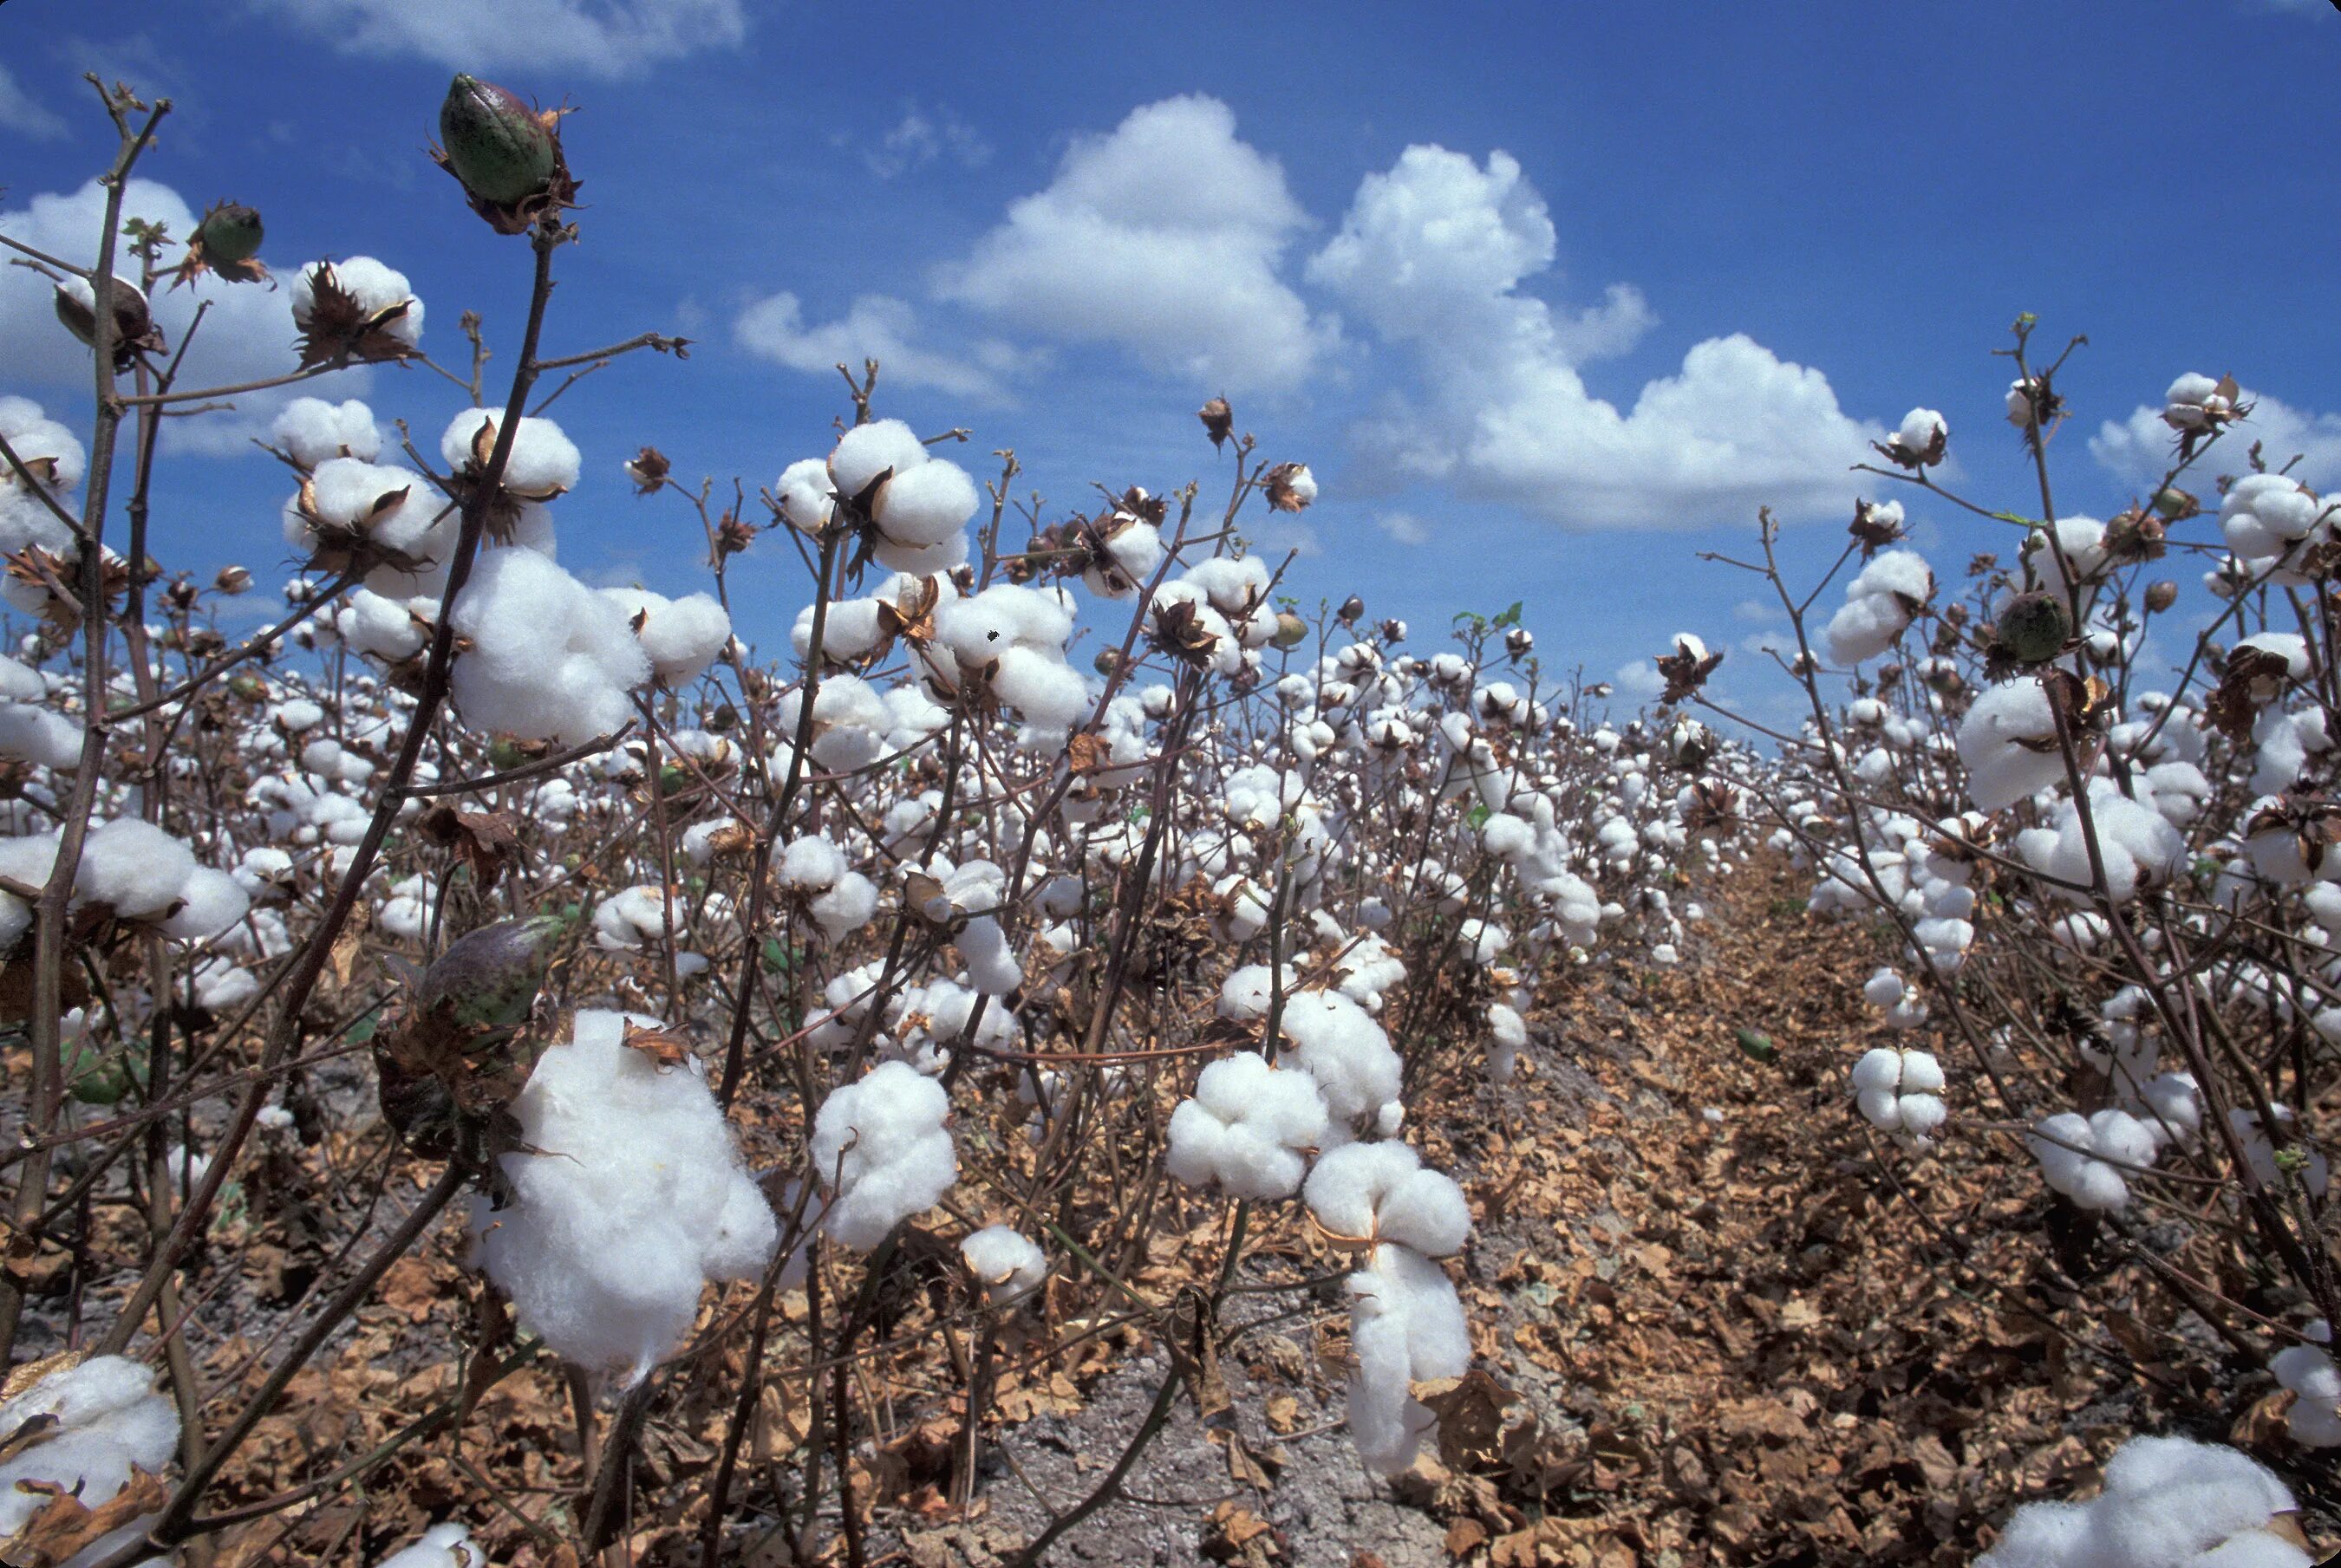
(1756,1047)
(229,233)
(496,144)
(2033,628)
(490,977)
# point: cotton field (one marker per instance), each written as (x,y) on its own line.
(509,1070)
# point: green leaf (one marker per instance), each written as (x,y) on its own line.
(1755,1045)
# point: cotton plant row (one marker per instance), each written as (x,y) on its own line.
(2076,774)
(682,969)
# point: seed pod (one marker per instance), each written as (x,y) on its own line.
(2033,629)
(1218,420)
(1107,661)
(2161,596)
(1353,611)
(2175,503)
(231,232)
(1291,632)
(496,144)
(491,976)
(232,580)
(134,324)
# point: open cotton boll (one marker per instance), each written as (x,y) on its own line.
(550,660)
(1048,693)
(1405,1326)
(926,504)
(2265,514)
(867,451)
(627,1196)
(2008,744)
(812,863)
(846,907)
(1010,1267)
(2168,1502)
(1879,604)
(2307,1371)
(1899,1092)
(134,867)
(373,286)
(805,493)
(682,636)
(1921,438)
(312,430)
(210,902)
(390,508)
(544,461)
(2260,1151)
(45,447)
(1379,1192)
(40,736)
(2137,845)
(992,965)
(108,1419)
(1245,1128)
(880,1145)
(2089,1161)
(1338,1043)
(630,918)
(445,1545)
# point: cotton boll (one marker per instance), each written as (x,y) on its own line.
(1338,1043)
(543,463)
(812,863)
(212,901)
(881,1146)
(1920,440)
(2008,744)
(2089,1160)
(2264,515)
(1009,1265)
(682,636)
(994,968)
(2307,1373)
(374,288)
(867,451)
(926,504)
(550,657)
(1050,694)
(846,908)
(626,1197)
(804,491)
(1379,1192)
(134,867)
(312,430)
(109,1419)
(40,736)
(445,1545)
(1405,1326)
(1244,1128)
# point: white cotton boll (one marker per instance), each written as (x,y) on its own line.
(1245,994)
(1338,1043)
(1010,1267)
(543,463)
(2087,1159)
(134,867)
(804,491)
(388,506)
(550,657)
(1882,989)
(311,431)
(108,1418)
(682,636)
(2167,1502)
(21,683)
(1050,694)
(2082,541)
(992,967)
(881,1146)
(1234,585)
(2260,1151)
(1245,1127)
(445,1545)
(40,736)
(627,1196)
(846,908)
(1921,430)
(630,918)
(927,504)
(2008,744)
(1405,1326)
(1507,835)
(2307,1373)
(922,560)
(2263,514)
(384,627)
(377,288)
(865,451)
(40,441)
(1371,1193)
(210,901)
(812,863)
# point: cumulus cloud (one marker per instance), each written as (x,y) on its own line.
(1756,609)
(246,335)
(879,327)
(1638,681)
(1404,527)
(601,37)
(1163,237)
(1432,255)
(2141,449)
(919,138)
(21,112)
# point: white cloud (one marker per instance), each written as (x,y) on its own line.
(920,138)
(1638,681)
(1404,527)
(1163,237)
(1756,609)
(246,335)
(1432,255)
(1273,537)
(601,37)
(2141,449)
(879,327)
(20,113)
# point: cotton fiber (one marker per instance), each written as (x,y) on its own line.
(881,1146)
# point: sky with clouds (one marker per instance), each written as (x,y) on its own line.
(1551,298)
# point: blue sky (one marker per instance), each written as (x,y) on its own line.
(1529,286)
